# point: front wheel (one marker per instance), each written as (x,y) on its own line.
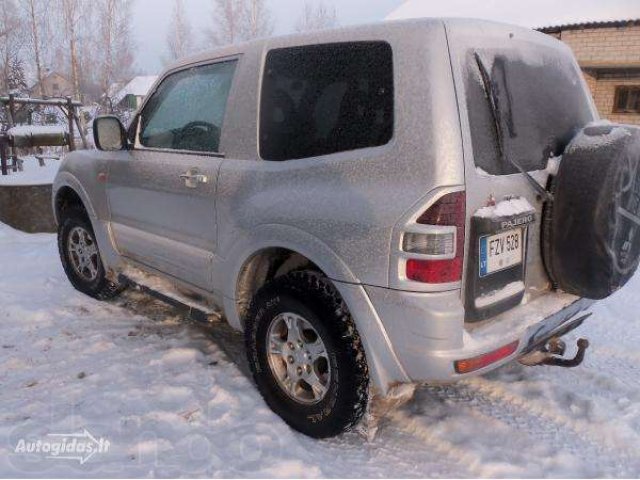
(306,354)
(80,255)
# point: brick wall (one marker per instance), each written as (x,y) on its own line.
(604,45)
(604,95)
(610,46)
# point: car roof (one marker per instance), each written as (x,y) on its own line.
(379,30)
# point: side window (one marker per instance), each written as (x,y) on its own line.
(324,99)
(187,109)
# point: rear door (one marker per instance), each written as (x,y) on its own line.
(162,195)
(522,99)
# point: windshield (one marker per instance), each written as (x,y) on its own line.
(524,107)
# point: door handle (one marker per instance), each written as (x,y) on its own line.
(193,177)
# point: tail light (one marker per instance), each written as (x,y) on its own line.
(437,241)
(476,363)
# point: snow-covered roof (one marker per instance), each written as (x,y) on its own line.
(591,25)
(138,86)
(527,13)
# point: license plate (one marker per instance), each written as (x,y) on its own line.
(500,251)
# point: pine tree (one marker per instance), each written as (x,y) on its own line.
(17,81)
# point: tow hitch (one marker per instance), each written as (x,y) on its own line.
(552,352)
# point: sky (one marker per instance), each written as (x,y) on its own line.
(151,17)
(527,13)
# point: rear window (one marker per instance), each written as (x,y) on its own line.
(528,104)
(324,99)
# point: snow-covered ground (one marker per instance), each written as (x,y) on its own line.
(171,403)
(33,173)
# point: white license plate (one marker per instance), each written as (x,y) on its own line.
(500,251)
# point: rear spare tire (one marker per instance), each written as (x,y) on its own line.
(591,234)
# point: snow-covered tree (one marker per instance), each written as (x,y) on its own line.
(316,17)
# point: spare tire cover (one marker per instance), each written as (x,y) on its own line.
(591,231)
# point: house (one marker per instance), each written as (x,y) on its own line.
(609,55)
(54,84)
(130,96)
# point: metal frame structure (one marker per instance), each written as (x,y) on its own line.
(14,104)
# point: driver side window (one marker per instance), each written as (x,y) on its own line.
(187,109)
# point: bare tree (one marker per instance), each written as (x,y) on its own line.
(12,42)
(180,34)
(113,42)
(238,20)
(316,17)
(36,14)
(71,16)
(226,22)
(257,22)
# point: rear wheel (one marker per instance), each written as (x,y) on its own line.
(80,255)
(306,355)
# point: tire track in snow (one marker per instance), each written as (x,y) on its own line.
(622,365)
(600,377)
(590,441)
(413,424)
(624,355)
(411,458)
(521,428)
(592,385)
(422,447)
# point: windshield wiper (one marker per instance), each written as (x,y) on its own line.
(495,113)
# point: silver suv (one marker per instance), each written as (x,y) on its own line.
(405,202)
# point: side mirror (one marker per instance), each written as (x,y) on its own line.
(109,133)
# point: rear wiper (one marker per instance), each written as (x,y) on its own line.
(495,113)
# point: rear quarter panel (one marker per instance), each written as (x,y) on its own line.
(340,209)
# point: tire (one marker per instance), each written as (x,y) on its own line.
(311,297)
(90,280)
(591,232)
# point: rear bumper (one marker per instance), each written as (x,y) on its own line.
(428,334)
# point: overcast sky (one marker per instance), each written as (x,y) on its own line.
(152,17)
